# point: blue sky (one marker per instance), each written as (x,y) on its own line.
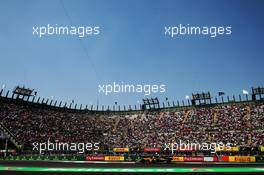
(131,48)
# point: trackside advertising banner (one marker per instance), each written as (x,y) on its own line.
(215,159)
(95,158)
(193,159)
(114,158)
(178,159)
(211,159)
(238,159)
(225,159)
(188,159)
(242,159)
(121,150)
(105,158)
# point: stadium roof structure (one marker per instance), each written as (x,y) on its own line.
(148,104)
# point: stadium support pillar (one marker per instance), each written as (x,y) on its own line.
(33,99)
(193,102)
(254,97)
(7,94)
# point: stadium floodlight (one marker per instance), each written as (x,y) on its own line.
(245,92)
(187,97)
(151,103)
(257,93)
(258,90)
(22,91)
(201,98)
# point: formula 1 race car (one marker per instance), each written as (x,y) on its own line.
(155,159)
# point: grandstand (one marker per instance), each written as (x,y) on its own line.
(237,122)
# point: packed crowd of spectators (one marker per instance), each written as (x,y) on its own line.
(239,124)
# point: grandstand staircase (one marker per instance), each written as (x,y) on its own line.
(247,119)
(116,123)
(215,118)
(11,137)
(185,118)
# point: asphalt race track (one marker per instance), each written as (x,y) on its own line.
(96,168)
